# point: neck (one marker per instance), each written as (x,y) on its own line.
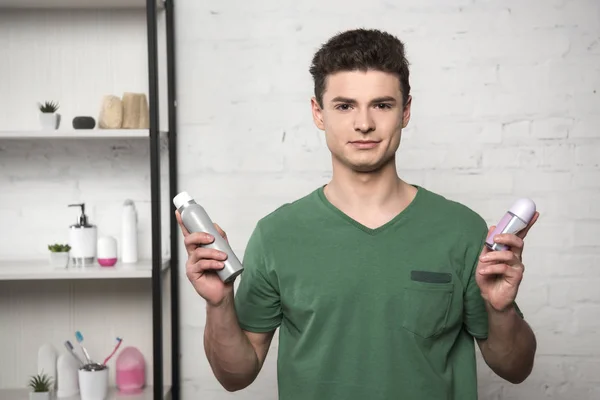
(369,193)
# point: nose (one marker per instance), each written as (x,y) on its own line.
(364,122)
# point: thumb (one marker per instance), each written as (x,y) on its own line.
(485,249)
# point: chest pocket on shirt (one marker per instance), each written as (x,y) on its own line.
(426,303)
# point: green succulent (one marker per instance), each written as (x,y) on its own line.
(40,383)
(48,107)
(59,248)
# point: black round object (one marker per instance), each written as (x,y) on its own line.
(84,123)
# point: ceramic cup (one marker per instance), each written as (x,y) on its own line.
(107,251)
(93,382)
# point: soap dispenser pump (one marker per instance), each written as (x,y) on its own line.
(82,239)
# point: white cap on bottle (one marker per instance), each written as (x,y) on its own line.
(181,199)
(524,209)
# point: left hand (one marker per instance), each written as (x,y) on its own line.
(499,273)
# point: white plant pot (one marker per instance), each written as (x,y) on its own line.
(39,395)
(59,259)
(49,121)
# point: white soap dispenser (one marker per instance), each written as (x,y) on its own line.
(83,240)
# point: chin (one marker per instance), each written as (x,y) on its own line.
(365,167)
(365,164)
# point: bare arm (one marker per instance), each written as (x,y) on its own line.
(510,347)
(235,356)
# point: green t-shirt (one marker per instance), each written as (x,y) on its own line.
(377,314)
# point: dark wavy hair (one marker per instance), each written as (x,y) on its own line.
(360,50)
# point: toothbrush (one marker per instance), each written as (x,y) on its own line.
(79,338)
(119,340)
(71,350)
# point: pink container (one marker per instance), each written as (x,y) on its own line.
(107,262)
(131,371)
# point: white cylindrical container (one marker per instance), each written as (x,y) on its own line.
(107,251)
(47,356)
(67,383)
(129,248)
(93,383)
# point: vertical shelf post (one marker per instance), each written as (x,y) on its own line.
(173,189)
(153,100)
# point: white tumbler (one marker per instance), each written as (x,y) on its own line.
(107,251)
(93,382)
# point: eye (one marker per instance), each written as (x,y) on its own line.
(343,107)
(384,106)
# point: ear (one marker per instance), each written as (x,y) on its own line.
(406,112)
(317,114)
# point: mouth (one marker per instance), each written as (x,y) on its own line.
(365,144)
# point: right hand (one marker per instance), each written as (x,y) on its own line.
(202,264)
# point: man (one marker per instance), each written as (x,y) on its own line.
(378,286)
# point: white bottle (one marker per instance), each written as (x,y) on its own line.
(129,245)
(47,355)
(83,239)
(67,384)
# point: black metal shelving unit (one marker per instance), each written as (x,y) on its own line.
(154,9)
(155,188)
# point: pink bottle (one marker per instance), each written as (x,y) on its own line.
(131,371)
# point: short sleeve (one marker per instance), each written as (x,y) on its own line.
(257,300)
(475,313)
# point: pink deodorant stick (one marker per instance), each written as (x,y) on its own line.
(515,220)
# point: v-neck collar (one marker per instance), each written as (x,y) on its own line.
(372,231)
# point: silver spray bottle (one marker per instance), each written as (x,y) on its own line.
(195,219)
(514,221)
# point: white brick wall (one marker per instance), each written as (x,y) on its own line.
(505,105)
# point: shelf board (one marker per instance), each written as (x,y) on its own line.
(113,394)
(78,134)
(12,270)
(76,4)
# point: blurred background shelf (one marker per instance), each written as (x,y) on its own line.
(76,52)
(147,394)
(76,4)
(11,270)
(78,134)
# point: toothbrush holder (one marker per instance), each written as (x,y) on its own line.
(93,382)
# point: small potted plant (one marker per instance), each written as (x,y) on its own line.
(41,385)
(59,255)
(49,118)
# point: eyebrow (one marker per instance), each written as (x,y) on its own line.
(383,99)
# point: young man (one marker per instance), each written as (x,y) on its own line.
(378,286)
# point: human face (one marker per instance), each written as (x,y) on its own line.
(363,117)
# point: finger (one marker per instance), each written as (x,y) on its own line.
(523,233)
(193,240)
(486,249)
(204,266)
(494,257)
(180,222)
(500,269)
(513,241)
(221,231)
(202,253)
(494,269)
